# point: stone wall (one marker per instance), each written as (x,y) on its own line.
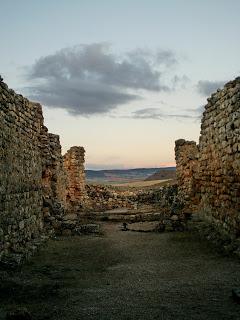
(54,180)
(20,172)
(53,174)
(37,185)
(219,160)
(216,181)
(74,167)
(186,156)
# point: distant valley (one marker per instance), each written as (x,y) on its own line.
(129,175)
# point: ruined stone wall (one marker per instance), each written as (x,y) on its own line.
(54,180)
(214,178)
(219,160)
(20,172)
(186,156)
(74,167)
(36,183)
(53,174)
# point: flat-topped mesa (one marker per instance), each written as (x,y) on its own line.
(74,167)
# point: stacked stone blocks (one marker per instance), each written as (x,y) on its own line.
(20,172)
(74,168)
(216,177)
(33,181)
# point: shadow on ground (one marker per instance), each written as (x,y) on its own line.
(124,275)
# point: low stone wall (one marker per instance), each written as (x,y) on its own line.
(214,174)
(102,198)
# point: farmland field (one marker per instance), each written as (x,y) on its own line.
(141,183)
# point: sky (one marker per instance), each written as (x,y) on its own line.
(124,79)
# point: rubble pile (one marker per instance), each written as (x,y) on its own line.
(166,197)
(101,198)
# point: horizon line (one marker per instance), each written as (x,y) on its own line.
(133,168)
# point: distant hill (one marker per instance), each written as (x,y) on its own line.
(123,175)
(163,174)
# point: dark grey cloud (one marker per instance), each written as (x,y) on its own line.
(206,88)
(79,96)
(91,79)
(158,114)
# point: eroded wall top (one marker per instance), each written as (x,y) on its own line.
(219,161)
(74,167)
(214,174)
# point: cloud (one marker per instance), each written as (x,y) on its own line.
(206,88)
(80,97)
(180,81)
(157,114)
(91,79)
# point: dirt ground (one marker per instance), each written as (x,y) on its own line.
(125,275)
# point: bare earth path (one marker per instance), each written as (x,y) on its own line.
(126,275)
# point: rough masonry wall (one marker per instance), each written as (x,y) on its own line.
(214,179)
(186,156)
(74,167)
(54,180)
(219,159)
(53,175)
(20,172)
(36,184)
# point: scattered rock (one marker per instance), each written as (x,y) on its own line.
(66,232)
(70,217)
(124,226)
(174,217)
(88,228)
(144,226)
